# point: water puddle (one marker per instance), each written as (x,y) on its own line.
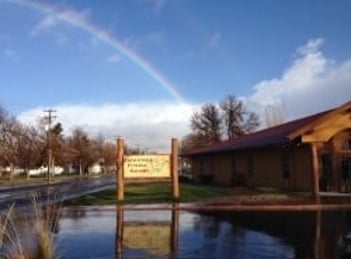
(104,232)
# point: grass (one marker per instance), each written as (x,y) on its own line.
(29,236)
(148,193)
(37,180)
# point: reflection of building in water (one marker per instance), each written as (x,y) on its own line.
(156,237)
(311,234)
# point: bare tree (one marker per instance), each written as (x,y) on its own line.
(226,121)
(3,114)
(274,115)
(30,148)
(10,139)
(233,114)
(192,141)
(104,153)
(207,123)
(251,122)
(81,150)
(237,120)
(26,147)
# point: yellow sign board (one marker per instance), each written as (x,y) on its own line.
(147,166)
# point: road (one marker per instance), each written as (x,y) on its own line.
(55,192)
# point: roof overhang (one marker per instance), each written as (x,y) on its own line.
(322,129)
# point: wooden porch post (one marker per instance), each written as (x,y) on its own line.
(315,171)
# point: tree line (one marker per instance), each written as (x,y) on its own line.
(218,122)
(26,147)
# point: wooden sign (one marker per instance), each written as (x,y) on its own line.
(147,166)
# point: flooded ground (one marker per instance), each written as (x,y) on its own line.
(103,232)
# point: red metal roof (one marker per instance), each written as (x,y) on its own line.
(276,135)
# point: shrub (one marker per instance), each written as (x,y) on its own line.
(29,236)
(206,178)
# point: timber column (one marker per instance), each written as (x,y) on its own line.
(315,171)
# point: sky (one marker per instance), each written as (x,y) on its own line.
(139,68)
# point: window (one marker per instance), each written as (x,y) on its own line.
(233,164)
(285,166)
(326,165)
(250,166)
(202,165)
(346,168)
(327,170)
(347,145)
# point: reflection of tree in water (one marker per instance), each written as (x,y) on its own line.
(75,214)
(210,226)
(234,231)
(51,216)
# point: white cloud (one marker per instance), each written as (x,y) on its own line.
(157,5)
(52,20)
(312,83)
(47,23)
(114,58)
(312,45)
(148,125)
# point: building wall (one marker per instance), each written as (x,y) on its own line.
(301,157)
(258,167)
(267,168)
(223,168)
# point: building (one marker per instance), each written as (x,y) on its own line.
(309,154)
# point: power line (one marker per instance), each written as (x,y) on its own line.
(50,117)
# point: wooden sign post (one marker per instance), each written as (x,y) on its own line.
(120,176)
(174,169)
(147,166)
(158,236)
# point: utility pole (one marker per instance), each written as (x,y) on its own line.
(48,120)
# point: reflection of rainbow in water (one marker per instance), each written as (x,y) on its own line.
(76,20)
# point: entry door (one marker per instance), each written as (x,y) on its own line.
(327,173)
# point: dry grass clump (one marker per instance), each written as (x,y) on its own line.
(29,235)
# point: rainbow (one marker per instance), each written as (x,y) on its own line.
(72,18)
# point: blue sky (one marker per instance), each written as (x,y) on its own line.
(294,54)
